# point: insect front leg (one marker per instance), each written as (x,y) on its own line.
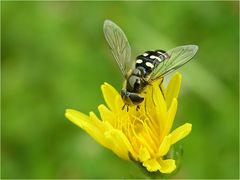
(125,105)
(137,108)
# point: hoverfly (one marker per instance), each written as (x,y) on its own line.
(148,67)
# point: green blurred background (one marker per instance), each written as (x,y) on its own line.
(54,56)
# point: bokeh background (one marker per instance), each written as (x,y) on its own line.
(54,56)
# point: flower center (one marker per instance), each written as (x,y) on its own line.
(141,130)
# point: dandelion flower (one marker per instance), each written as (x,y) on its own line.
(144,134)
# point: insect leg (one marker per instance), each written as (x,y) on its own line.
(137,108)
(161,88)
(152,97)
(125,106)
(150,84)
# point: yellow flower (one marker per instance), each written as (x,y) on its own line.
(144,134)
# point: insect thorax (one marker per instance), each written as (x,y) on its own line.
(145,64)
(135,82)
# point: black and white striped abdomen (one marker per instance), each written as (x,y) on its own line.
(150,60)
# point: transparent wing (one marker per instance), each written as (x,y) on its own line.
(176,58)
(119,45)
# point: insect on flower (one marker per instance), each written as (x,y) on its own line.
(147,67)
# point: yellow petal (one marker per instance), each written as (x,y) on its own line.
(149,109)
(173,88)
(172,138)
(167,166)
(106,114)
(180,132)
(109,94)
(119,105)
(164,166)
(158,97)
(93,127)
(149,99)
(168,121)
(152,165)
(165,146)
(118,143)
(144,155)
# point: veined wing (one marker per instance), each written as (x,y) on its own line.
(119,45)
(176,58)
